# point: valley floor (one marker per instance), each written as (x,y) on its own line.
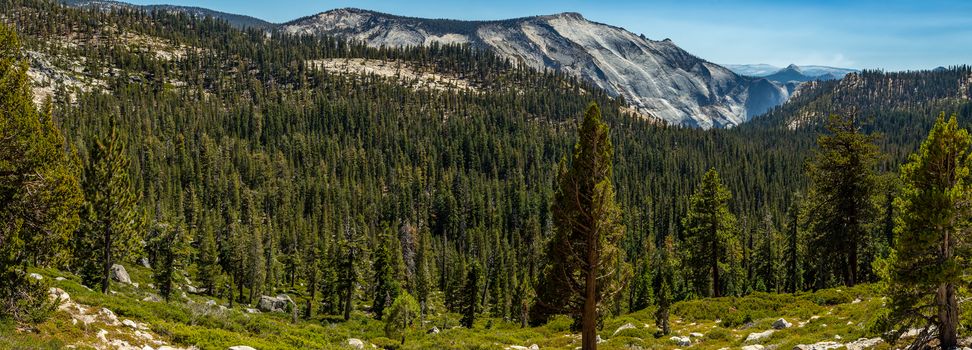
(131,317)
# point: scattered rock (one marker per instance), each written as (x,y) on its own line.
(824,345)
(863,343)
(623,327)
(434,330)
(241,347)
(356,343)
(252,311)
(103,335)
(211,302)
(59,294)
(192,289)
(145,263)
(274,304)
(108,316)
(681,341)
(131,324)
(36,276)
(838,337)
(152,298)
(856,301)
(759,335)
(119,274)
(781,324)
(696,335)
(59,278)
(753,347)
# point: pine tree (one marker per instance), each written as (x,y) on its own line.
(470,300)
(664,284)
(403,312)
(169,243)
(423,277)
(39,191)
(792,261)
(711,236)
(386,276)
(933,235)
(584,256)
(843,181)
(110,230)
(207,261)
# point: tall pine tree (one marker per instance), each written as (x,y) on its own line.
(933,232)
(110,230)
(711,237)
(583,269)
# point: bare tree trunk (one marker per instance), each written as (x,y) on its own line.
(852,264)
(947,316)
(716,288)
(589,315)
(107,263)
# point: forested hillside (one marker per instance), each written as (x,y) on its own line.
(346,189)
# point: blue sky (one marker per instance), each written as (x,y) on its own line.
(890,35)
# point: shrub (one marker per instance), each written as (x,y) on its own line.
(24,299)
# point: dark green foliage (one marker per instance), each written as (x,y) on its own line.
(711,239)
(664,284)
(470,296)
(839,205)
(930,263)
(39,191)
(168,244)
(110,227)
(386,273)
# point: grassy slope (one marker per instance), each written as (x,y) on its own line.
(725,323)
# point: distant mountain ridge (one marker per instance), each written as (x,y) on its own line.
(656,77)
(238,21)
(791,73)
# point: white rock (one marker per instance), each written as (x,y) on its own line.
(131,324)
(696,335)
(517,347)
(108,316)
(623,327)
(856,301)
(838,337)
(753,347)
(252,311)
(241,347)
(103,335)
(59,278)
(152,298)
(274,304)
(356,343)
(824,345)
(36,276)
(119,274)
(681,341)
(434,330)
(759,335)
(534,347)
(863,343)
(781,324)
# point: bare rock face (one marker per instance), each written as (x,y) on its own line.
(656,77)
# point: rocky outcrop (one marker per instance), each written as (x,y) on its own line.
(118,273)
(781,324)
(623,327)
(279,303)
(356,343)
(759,335)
